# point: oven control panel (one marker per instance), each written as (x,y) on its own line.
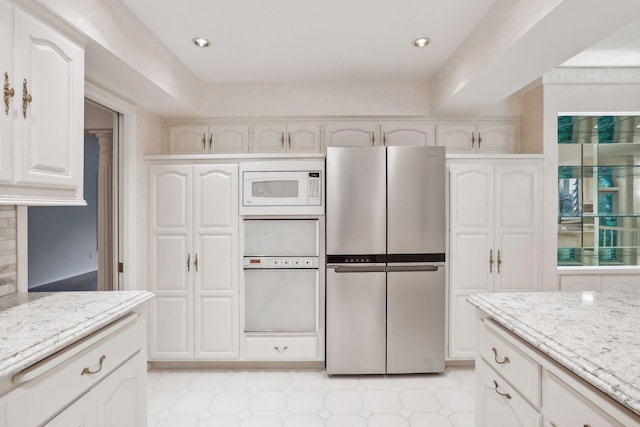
(262,262)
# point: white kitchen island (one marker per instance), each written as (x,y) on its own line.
(73,358)
(558,359)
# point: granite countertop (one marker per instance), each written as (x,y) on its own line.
(593,334)
(36,325)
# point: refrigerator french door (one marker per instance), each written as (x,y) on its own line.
(385,227)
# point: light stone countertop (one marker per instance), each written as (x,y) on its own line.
(596,335)
(36,325)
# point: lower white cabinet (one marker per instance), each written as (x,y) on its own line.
(98,381)
(273,348)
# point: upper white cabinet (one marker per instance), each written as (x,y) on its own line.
(477,138)
(396,134)
(285,138)
(41,132)
(363,134)
(495,237)
(213,139)
(194,262)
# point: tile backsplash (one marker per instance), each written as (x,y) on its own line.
(8,254)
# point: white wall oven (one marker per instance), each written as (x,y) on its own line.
(282,187)
(281,276)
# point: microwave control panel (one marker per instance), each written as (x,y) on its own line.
(313,189)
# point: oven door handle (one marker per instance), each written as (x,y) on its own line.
(356,269)
(399,268)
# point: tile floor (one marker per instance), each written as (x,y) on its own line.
(309,399)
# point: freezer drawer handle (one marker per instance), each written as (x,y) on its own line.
(349,269)
(412,268)
(276,348)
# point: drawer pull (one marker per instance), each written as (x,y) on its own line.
(276,348)
(504,361)
(495,384)
(87,371)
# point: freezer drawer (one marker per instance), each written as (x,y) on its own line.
(356,321)
(415,321)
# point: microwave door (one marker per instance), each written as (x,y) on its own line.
(284,189)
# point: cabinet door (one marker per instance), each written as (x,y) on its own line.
(82,413)
(456,137)
(188,139)
(6,116)
(121,397)
(407,134)
(471,249)
(49,140)
(495,138)
(216,273)
(171,262)
(303,138)
(580,283)
(228,139)
(518,225)
(268,138)
(357,134)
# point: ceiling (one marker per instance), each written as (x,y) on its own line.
(333,40)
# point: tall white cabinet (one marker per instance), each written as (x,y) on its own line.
(494,237)
(194,262)
(41,118)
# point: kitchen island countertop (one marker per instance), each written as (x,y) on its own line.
(36,325)
(595,335)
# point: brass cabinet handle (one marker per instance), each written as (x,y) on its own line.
(499,261)
(505,359)
(26,98)
(373,139)
(479,139)
(276,348)
(188,262)
(491,261)
(87,371)
(204,140)
(282,140)
(210,140)
(495,387)
(195,262)
(8,93)
(384,138)
(473,139)
(289,138)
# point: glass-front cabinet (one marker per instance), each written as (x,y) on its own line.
(599,190)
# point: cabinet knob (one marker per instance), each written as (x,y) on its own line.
(8,93)
(26,98)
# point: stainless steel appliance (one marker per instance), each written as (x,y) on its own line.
(385,226)
(281,275)
(282,187)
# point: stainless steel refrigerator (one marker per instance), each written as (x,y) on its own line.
(385,225)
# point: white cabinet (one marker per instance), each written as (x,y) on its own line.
(600,282)
(495,237)
(477,138)
(212,139)
(285,138)
(364,134)
(41,132)
(97,381)
(194,262)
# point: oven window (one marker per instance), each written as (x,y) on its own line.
(281,300)
(280,188)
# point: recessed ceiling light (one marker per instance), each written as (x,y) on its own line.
(201,42)
(421,42)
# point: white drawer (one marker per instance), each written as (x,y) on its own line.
(59,379)
(519,370)
(281,348)
(499,404)
(563,406)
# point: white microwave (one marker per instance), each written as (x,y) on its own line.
(282,187)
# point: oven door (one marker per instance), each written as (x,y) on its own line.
(282,300)
(286,188)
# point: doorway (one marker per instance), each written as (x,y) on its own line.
(75,248)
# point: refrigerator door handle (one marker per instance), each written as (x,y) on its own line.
(355,269)
(392,269)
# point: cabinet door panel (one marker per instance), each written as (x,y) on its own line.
(268,138)
(82,413)
(50,137)
(303,138)
(217,262)
(6,118)
(457,138)
(517,187)
(171,328)
(471,255)
(173,262)
(216,197)
(517,257)
(229,139)
(188,139)
(472,196)
(495,138)
(170,190)
(216,327)
(351,135)
(407,134)
(462,341)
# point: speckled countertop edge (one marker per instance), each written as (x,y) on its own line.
(626,394)
(73,330)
